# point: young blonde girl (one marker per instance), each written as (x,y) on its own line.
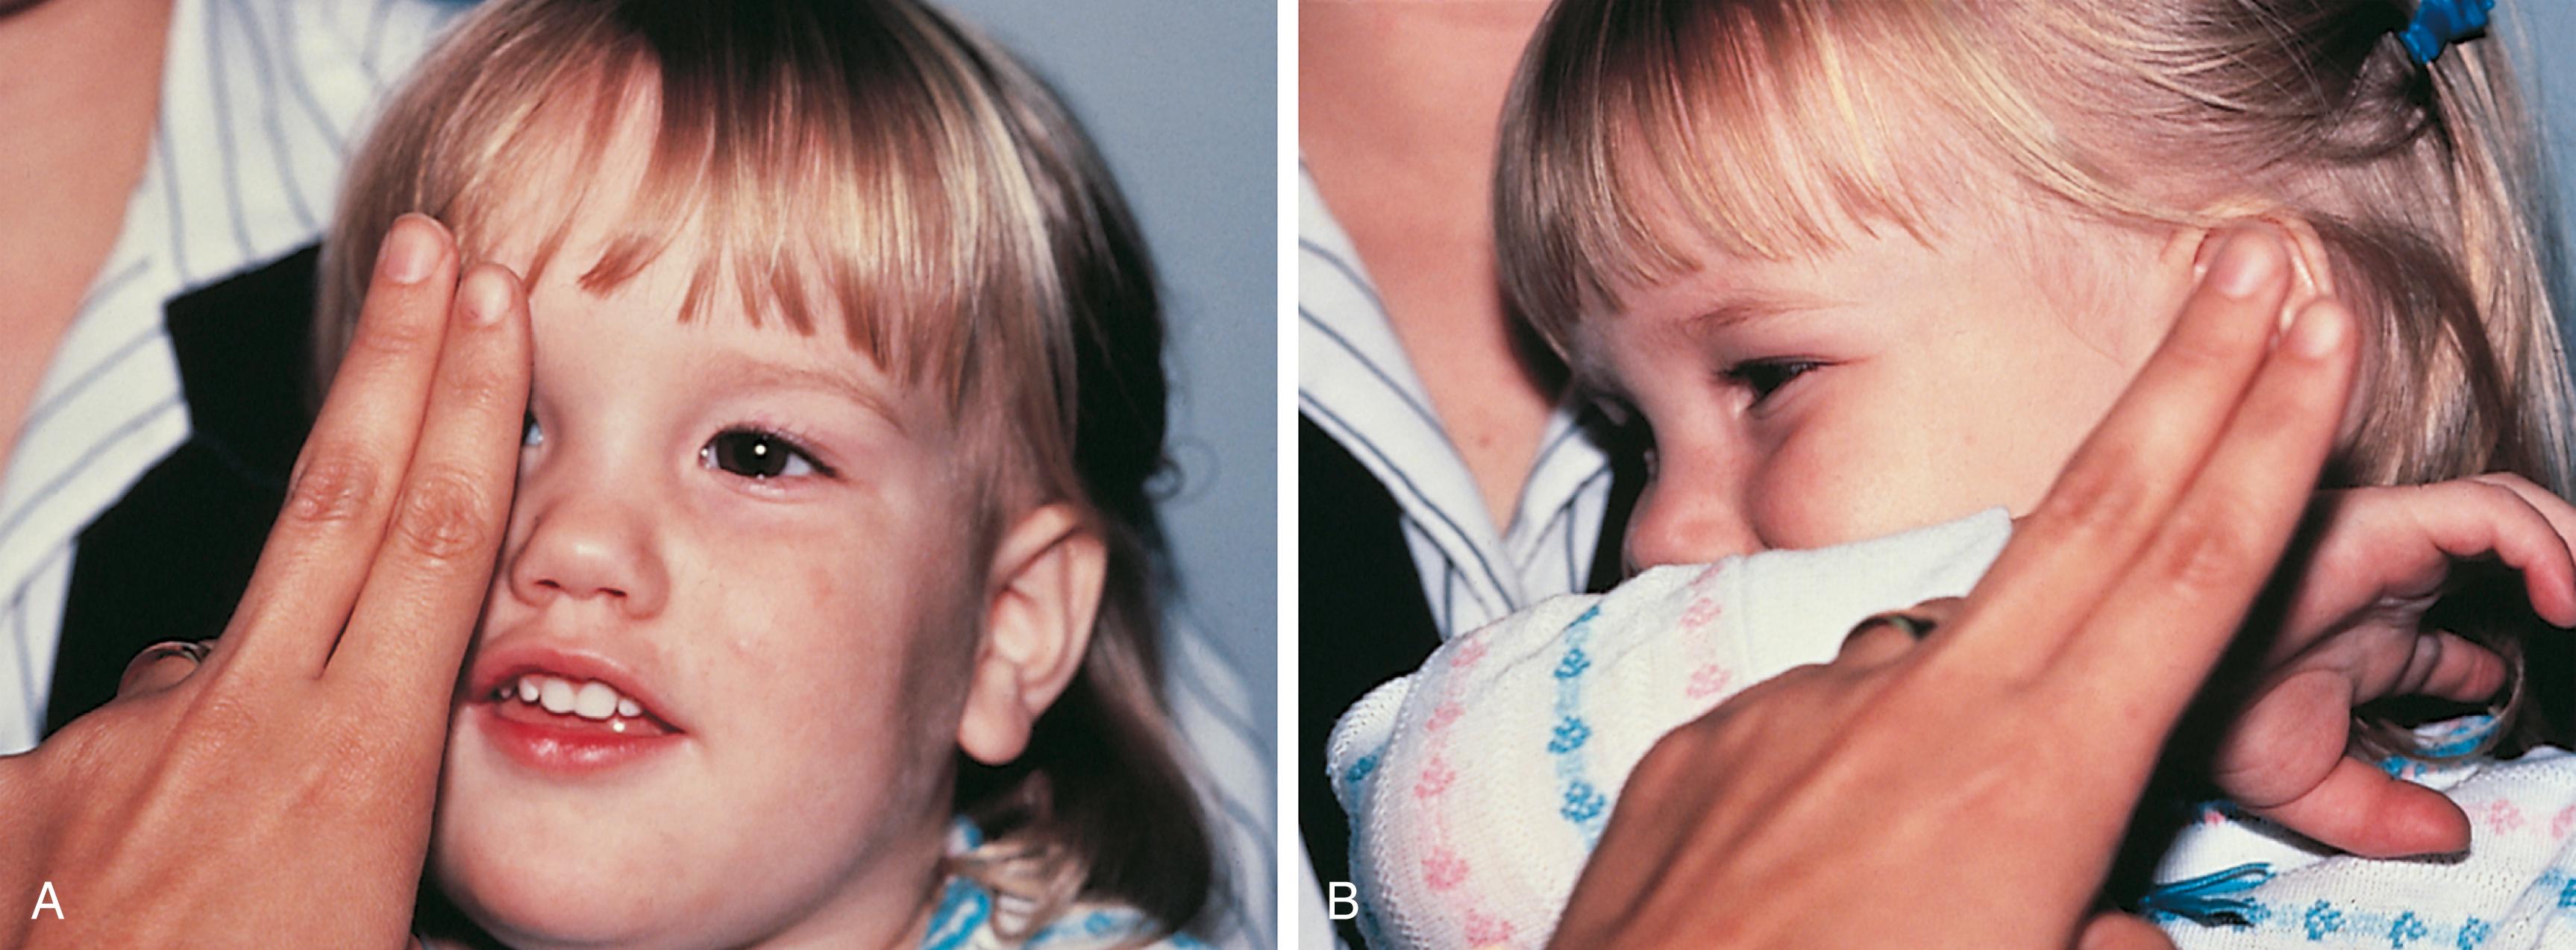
(1867,266)
(827,613)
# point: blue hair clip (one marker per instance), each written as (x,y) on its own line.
(2439,23)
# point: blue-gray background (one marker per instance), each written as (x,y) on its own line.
(2542,32)
(1182,95)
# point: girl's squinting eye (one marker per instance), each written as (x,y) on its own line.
(758,454)
(530,435)
(1766,377)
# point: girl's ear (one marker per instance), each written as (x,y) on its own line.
(2311,273)
(2311,268)
(1041,593)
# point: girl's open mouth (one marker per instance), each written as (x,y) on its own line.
(565,713)
(565,703)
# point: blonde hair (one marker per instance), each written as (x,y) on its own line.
(1768,127)
(878,161)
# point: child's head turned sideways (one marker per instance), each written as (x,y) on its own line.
(831,525)
(1864,265)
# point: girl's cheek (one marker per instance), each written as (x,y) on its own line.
(1788,488)
(1818,488)
(1780,492)
(1779,507)
(820,584)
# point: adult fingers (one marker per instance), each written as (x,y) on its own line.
(2287,740)
(2361,809)
(2445,666)
(2285,756)
(2561,515)
(2383,545)
(2123,481)
(345,481)
(411,625)
(2285,759)
(2117,931)
(2164,624)
(2479,517)
(2557,602)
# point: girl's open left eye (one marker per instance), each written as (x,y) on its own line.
(758,454)
(530,434)
(1763,378)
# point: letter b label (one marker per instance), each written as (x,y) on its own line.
(1341,901)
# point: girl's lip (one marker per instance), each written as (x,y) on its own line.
(544,747)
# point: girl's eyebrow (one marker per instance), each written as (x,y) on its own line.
(1741,309)
(1591,375)
(767,374)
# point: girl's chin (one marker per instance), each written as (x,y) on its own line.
(530,903)
(537,876)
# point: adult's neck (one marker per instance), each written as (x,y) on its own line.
(80,84)
(80,88)
(1399,105)
(1420,78)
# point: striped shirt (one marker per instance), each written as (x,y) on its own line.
(1354,382)
(260,100)
(1357,386)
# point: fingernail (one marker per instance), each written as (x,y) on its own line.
(487,296)
(410,251)
(2241,267)
(2318,332)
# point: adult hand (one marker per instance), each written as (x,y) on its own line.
(1969,789)
(2351,630)
(280,795)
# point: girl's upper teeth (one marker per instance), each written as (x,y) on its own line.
(592,700)
(596,701)
(556,696)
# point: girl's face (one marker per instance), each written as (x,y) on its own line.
(717,691)
(1885,386)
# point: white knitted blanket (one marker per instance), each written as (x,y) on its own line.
(1479,784)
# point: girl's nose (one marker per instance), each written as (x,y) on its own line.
(1682,521)
(587,546)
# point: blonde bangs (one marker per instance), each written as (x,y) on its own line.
(1764,129)
(827,174)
